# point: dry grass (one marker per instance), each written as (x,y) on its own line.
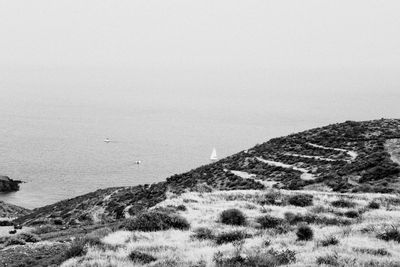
(357,244)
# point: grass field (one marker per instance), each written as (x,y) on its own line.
(347,230)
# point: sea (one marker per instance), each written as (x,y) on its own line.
(53,121)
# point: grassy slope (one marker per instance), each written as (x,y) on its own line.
(372,170)
(178,248)
(11,211)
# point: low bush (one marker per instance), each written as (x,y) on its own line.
(302,200)
(181,208)
(233,217)
(203,233)
(76,249)
(352,214)
(373,251)
(373,205)
(304,233)
(329,241)
(390,234)
(6,223)
(310,218)
(271,198)
(268,221)
(343,203)
(155,221)
(140,257)
(28,237)
(293,218)
(13,241)
(231,236)
(330,260)
(270,258)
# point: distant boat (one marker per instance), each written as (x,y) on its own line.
(107,140)
(214,155)
(138,162)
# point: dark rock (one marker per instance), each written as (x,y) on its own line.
(8,185)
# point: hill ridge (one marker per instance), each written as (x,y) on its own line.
(343,157)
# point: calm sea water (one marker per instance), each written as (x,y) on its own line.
(53,123)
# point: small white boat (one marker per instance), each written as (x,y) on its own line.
(138,162)
(213,156)
(107,140)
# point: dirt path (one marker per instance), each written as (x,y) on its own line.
(352,154)
(305,174)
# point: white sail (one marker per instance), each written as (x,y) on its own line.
(214,155)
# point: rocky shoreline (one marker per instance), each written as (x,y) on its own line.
(8,185)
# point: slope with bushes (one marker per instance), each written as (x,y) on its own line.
(343,157)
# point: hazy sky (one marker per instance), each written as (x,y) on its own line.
(181,34)
(247,53)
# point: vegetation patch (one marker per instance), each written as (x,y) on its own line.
(343,203)
(268,221)
(233,217)
(304,233)
(270,258)
(352,214)
(390,234)
(155,221)
(302,200)
(373,205)
(329,241)
(373,251)
(231,236)
(140,257)
(203,233)
(329,259)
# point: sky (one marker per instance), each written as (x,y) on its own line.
(191,35)
(184,51)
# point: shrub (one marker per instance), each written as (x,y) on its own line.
(76,249)
(312,218)
(233,217)
(13,241)
(330,260)
(155,221)
(352,214)
(302,200)
(228,237)
(140,257)
(373,205)
(203,233)
(28,237)
(270,258)
(268,221)
(269,198)
(389,234)
(181,208)
(329,241)
(342,203)
(373,251)
(304,232)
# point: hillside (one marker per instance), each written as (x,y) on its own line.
(11,211)
(344,157)
(347,230)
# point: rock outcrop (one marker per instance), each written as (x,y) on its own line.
(8,185)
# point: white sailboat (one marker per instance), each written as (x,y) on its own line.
(107,140)
(214,155)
